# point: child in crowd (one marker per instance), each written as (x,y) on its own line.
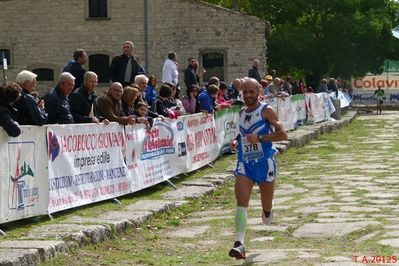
(141,110)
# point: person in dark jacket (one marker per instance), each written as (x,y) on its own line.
(56,101)
(124,68)
(161,104)
(76,67)
(254,72)
(9,94)
(190,74)
(83,101)
(30,110)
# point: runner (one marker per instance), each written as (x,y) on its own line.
(259,125)
(379,96)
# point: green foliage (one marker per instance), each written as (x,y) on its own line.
(327,37)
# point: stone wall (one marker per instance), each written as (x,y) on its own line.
(44,33)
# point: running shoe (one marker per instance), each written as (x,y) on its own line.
(238,251)
(267,220)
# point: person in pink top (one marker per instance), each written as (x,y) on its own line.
(221,99)
(190,101)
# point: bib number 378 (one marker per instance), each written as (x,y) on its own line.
(251,147)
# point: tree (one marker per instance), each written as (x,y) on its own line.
(327,37)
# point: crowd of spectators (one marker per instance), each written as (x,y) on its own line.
(133,97)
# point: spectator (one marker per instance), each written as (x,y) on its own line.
(254,72)
(141,112)
(323,86)
(141,82)
(332,86)
(150,91)
(124,68)
(169,70)
(221,99)
(176,103)
(206,98)
(30,111)
(56,101)
(190,74)
(76,67)
(110,106)
(129,96)
(233,92)
(83,101)
(274,87)
(161,104)
(287,86)
(190,101)
(9,94)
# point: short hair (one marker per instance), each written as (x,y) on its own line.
(190,58)
(128,94)
(25,75)
(139,78)
(64,76)
(212,89)
(9,92)
(223,86)
(213,81)
(130,43)
(89,74)
(171,55)
(165,91)
(78,53)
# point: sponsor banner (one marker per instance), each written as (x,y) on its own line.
(286,114)
(86,164)
(299,106)
(318,106)
(23,174)
(387,81)
(367,97)
(155,154)
(201,140)
(344,98)
(226,122)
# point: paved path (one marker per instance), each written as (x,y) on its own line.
(351,200)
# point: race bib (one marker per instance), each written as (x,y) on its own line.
(251,151)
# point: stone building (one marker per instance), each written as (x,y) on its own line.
(41,36)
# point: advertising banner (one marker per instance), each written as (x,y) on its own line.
(286,114)
(155,154)
(227,129)
(387,81)
(23,174)
(367,97)
(86,164)
(201,140)
(318,106)
(299,106)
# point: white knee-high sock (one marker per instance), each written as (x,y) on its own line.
(241,223)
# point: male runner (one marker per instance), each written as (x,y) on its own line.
(259,126)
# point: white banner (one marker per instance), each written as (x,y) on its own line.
(226,122)
(201,140)
(23,174)
(86,164)
(286,114)
(318,106)
(367,97)
(299,106)
(155,154)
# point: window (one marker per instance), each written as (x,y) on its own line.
(213,62)
(99,64)
(7,54)
(44,74)
(98,9)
